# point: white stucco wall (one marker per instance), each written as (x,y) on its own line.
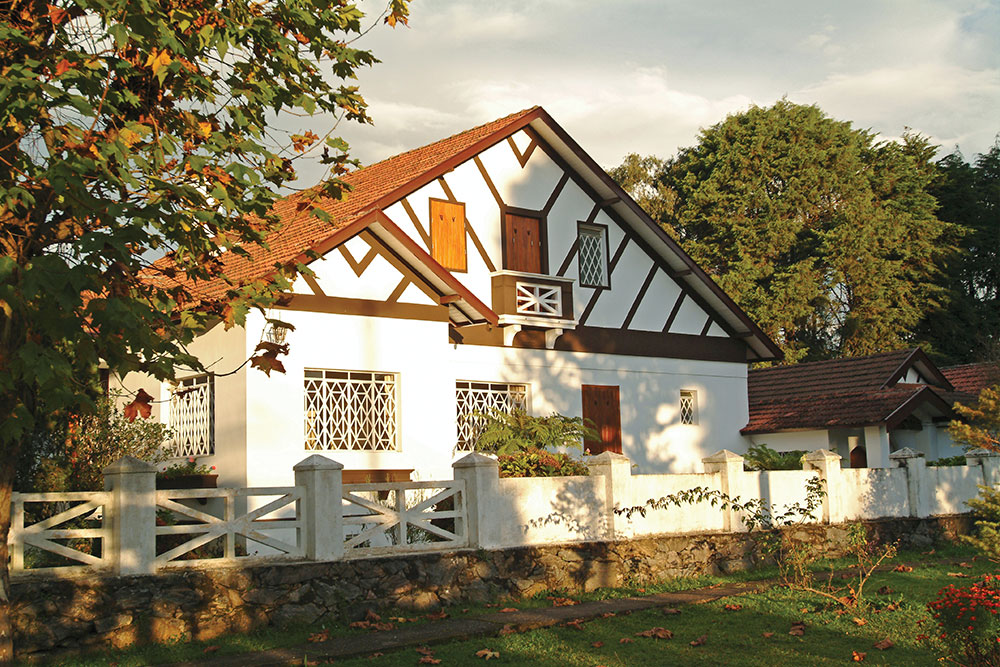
(428,367)
(793,440)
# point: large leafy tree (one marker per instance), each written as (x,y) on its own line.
(823,234)
(131,128)
(966,328)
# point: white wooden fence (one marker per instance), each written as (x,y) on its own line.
(133,528)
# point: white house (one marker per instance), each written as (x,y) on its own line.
(863,408)
(498,267)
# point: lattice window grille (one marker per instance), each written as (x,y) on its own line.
(533,299)
(593,256)
(350,410)
(689,407)
(474,400)
(192,416)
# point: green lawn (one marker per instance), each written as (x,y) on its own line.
(734,637)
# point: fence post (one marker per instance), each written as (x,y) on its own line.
(918,488)
(729,465)
(617,471)
(321,509)
(990,462)
(482,488)
(131,516)
(827,464)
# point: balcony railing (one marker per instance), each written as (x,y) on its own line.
(533,299)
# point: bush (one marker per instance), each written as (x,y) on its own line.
(969,622)
(523,443)
(762,457)
(987,510)
(949,461)
(534,462)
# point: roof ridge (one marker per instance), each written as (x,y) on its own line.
(820,362)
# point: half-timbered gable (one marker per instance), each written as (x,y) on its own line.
(499,268)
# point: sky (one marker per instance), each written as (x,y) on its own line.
(624,76)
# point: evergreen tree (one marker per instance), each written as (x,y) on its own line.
(826,236)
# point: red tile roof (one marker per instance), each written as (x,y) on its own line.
(856,391)
(370,186)
(972,378)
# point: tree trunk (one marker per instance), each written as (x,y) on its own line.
(8,467)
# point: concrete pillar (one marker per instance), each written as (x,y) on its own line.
(730,466)
(877,446)
(321,509)
(827,464)
(482,491)
(927,440)
(917,483)
(617,472)
(131,516)
(990,462)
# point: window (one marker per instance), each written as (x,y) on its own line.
(689,406)
(192,416)
(474,399)
(592,242)
(448,234)
(350,410)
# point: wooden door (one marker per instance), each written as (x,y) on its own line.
(601,405)
(523,244)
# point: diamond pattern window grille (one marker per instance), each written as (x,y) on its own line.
(192,416)
(533,299)
(593,256)
(477,399)
(689,413)
(350,410)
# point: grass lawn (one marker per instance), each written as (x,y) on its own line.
(732,636)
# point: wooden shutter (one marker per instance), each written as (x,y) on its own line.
(601,406)
(523,244)
(448,234)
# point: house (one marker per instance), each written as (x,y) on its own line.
(497,268)
(863,408)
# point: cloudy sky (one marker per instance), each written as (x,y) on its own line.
(643,76)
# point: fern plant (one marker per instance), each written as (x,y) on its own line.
(762,457)
(515,431)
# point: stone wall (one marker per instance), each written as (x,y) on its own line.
(51,614)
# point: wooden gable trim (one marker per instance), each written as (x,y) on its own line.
(920,397)
(640,296)
(661,235)
(424,234)
(522,158)
(312,303)
(915,357)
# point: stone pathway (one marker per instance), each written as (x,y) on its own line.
(482,625)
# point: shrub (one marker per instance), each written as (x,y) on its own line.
(987,509)
(969,622)
(535,462)
(762,457)
(949,461)
(509,432)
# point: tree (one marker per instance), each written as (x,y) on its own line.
(966,327)
(824,235)
(979,426)
(133,128)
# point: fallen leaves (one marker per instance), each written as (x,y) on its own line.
(767,635)
(733,607)
(625,640)
(563,602)
(487,654)
(858,657)
(656,633)
(798,629)
(436,615)
(372,622)
(903,568)
(576,623)
(507,630)
(507,610)
(885,590)
(320,636)
(427,656)
(210,649)
(965,565)
(884,644)
(959,575)
(597,644)
(700,641)
(858,621)
(670,611)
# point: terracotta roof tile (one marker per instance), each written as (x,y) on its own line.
(972,378)
(302,231)
(834,393)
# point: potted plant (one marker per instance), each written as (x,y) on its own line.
(187,475)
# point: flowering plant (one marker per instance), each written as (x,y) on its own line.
(189,467)
(969,621)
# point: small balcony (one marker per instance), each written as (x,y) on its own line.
(533,300)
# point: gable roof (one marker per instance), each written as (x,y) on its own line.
(973,378)
(855,391)
(377,186)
